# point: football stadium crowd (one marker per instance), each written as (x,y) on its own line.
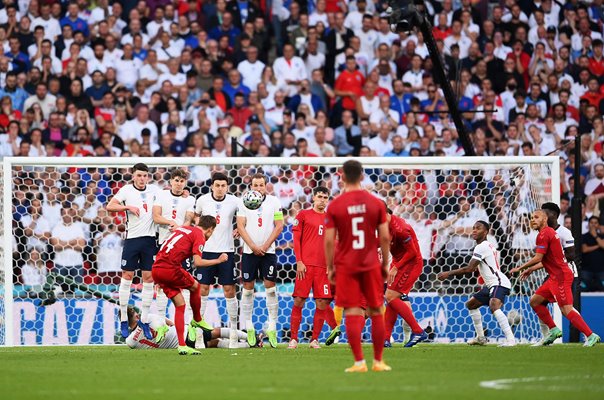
(287,78)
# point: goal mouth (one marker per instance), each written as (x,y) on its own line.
(44,302)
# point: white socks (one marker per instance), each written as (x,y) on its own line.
(147,297)
(544,329)
(406,332)
(503,322)
(247,306)
(232,306)
(224,344)
(124,297)
(204,304)
(272,305)
(161,302)
(477,321)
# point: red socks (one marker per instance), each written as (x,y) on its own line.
(544,315)
(195,300)
(390,319)
(318,322)
(295,319)
(330,318)
(354,328)
(404,311)
(578,322)
(179,323)
(378,334)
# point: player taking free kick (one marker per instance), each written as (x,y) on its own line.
(309,230)
(354,265)
(185,242)
(496,285)
(558,288)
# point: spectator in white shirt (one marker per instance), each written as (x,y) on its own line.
(290,69)
(381,144)
(33,272)
(135,127)
(127,68)
(68,240)
(251,68)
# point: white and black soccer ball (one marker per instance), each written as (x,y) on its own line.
(514,317)
(252,199)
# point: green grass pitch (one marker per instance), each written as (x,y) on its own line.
(426,372)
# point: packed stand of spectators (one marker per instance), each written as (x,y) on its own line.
(327,78)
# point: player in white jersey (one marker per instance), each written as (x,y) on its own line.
(259,229)
(223,206)
(172,209)
(568,245)
(165,337)
(496,285)
(140,246)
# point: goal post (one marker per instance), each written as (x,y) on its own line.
(440,196)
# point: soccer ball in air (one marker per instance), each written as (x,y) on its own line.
(514,317)
(252,199)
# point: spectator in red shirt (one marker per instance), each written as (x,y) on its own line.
(596,62)
(521,59)
(442,30)
(349,84)
(593,95)
(240,112)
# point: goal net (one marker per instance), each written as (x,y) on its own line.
(50,295)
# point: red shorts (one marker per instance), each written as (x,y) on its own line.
(406,277)
(315,278)
(172,280)
(360,289)
(556,292)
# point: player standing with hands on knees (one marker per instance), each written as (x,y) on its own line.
(168,273)
(309,232)
(172,209)
(259,229)
(354,265)
(556,289)
(496,285)
(137,199)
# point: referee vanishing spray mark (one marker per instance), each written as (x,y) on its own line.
(592,383)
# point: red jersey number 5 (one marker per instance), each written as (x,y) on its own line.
(259,221)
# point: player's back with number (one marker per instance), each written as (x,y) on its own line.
(554,261)
(356,216)
(183,243)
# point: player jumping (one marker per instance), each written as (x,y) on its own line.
(184,243)
(558,288)
(355,216)
(223,206)
(496,285)
(309,229)
(136,199)
(259,229)
(407,266)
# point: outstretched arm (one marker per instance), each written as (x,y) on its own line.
(471,267)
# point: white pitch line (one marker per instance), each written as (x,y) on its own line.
(507,384)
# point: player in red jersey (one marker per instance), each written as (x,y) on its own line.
(311,271)
(355,216)
(184,243)
(407,265)
(558,288)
